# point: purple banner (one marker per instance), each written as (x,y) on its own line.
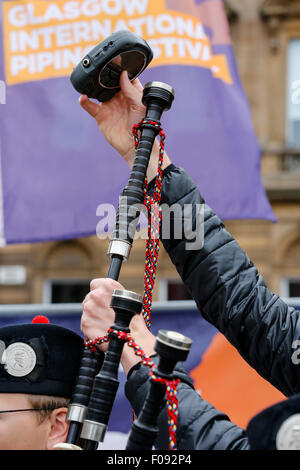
(56,166)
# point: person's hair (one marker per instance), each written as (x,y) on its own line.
(48,403)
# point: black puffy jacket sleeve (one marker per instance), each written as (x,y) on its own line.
(231,294)
(200,425)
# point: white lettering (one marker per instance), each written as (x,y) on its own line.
(91,8)
(64,36)
(150,25)
(106,224)
(153,43)
(70,57)
(28,40)
(13,41)
(31,18)
(81,32)
(169,44)
(112,7)
(295,356)
(38,62)
(100,30)
(184,26)
(57,60)
(193,214)
(53,13)
(71,10)
(135,6)
(120,25)
(199,32)
(17,16)
(137,25)
(46,35)
(44,59)
(193,49)
(181,48)
(206,53)
(165,24)
(17,63)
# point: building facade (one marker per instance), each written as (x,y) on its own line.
(266,39)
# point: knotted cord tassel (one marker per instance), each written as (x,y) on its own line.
(154,221)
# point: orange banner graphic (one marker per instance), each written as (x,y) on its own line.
(46,39)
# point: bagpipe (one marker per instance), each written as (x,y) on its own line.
(98,76)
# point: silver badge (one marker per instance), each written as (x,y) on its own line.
(19,359)
(288,436)
(2,349)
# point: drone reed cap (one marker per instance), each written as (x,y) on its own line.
(159,91)
(174,339)
(127,301)
(162,85)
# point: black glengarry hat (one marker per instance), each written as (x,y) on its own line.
(39,358)
(276,427)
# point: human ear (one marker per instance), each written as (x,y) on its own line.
(58,428)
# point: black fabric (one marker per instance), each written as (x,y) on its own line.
(263,428)
(200,425)
(58,352)
(231,295)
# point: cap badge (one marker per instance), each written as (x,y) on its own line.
(288,436)
(19,359)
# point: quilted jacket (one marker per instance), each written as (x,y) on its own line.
(231,295)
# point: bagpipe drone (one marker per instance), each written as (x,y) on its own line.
(98,76)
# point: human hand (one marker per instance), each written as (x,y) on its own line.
(98,317)
(116,117)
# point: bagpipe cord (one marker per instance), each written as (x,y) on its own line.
(152,204)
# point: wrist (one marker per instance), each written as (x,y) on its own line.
(146,342)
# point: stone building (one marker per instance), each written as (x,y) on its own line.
(266,38)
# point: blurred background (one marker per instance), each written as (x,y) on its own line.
(54,277)
(266,40)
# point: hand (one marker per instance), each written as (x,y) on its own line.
(98,317)
(116,117)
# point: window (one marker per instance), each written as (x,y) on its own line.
(294,288)
(173,289)
(293,95)
(291,287)
(65,290)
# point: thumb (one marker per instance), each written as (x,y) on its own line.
(132,91)
(89,106)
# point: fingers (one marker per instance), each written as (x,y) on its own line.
(132,91)
(105,283)
(101,290)
(89,106)
(137,84)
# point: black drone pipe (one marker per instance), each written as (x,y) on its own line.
(157,97)
(98,76)
(88,423)
(171,348)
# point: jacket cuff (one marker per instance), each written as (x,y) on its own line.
(165,172)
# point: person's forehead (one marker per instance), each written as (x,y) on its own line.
(13,400)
